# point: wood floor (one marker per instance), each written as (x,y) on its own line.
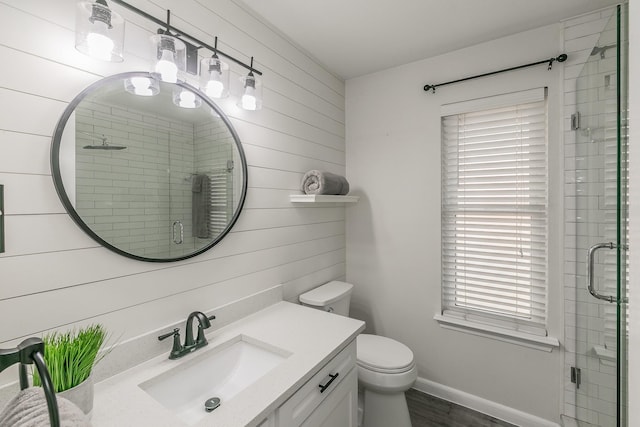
(429,411)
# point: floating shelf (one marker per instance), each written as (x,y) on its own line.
(322,198)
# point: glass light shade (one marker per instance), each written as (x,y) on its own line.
(251,97)
(170,57)
(142,86)
(99,31)
(214,77)
(186,99)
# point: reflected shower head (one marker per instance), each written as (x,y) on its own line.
(601,50)
(104,146)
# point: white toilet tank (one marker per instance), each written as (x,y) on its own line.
(333,297)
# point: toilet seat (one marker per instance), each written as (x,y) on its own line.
(384,365)
(383,355)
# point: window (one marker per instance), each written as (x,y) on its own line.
(494,211)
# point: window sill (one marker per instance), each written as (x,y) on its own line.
(497,333)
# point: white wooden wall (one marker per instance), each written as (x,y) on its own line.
(53,276)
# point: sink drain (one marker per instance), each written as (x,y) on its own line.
(211,404)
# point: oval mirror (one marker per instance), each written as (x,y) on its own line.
(151,170)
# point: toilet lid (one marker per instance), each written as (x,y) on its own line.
(381,354)
(326,294)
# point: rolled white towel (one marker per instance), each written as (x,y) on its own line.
(29,409)
(318,182)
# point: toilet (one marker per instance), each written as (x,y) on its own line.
(386,368)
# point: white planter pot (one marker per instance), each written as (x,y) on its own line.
(81,395)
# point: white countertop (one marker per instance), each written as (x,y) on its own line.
(313,337)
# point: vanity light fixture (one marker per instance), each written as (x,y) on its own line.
(143,86)
(214,75)
(185,98)
(251,98)
(99,31)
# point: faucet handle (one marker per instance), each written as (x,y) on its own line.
(177,348)
(175,332)
(206,324)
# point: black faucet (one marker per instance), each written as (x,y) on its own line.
(203,323)
(178,350)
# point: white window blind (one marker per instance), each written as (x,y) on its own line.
(494,211)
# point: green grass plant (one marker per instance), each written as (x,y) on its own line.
(70,356)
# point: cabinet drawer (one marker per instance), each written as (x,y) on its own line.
(299,406)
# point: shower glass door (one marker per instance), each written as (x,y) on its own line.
(601,218)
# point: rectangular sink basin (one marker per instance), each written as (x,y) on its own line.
(221,373)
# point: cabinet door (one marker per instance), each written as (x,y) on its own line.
(318,389)
(340,408)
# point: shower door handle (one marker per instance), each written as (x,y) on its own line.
(178,238)
(590,255)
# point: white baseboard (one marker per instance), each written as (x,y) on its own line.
(479,404)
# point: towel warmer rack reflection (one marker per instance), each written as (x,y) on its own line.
(31,351)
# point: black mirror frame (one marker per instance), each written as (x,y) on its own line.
(57,176)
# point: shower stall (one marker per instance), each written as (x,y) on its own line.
(596,218)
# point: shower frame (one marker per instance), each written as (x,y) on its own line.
(596,221)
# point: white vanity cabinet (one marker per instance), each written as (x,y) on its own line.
(329,399)
(313,384)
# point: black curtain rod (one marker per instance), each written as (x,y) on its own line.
(179,34)
(559,58)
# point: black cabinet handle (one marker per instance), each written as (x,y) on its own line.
(323,387)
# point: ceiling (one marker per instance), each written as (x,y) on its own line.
(356,37)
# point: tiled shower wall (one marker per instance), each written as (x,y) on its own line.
(121,212)
(593,403)
(127,193)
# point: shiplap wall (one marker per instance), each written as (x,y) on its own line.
(53,276)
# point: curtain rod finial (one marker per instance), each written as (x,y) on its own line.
(427,88)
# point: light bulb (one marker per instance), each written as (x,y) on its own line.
(186,99)
(249,101)
(214,77)
(167,68)
(99,31)
(141,86)
(99,45)
(252,95)
(214,87)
